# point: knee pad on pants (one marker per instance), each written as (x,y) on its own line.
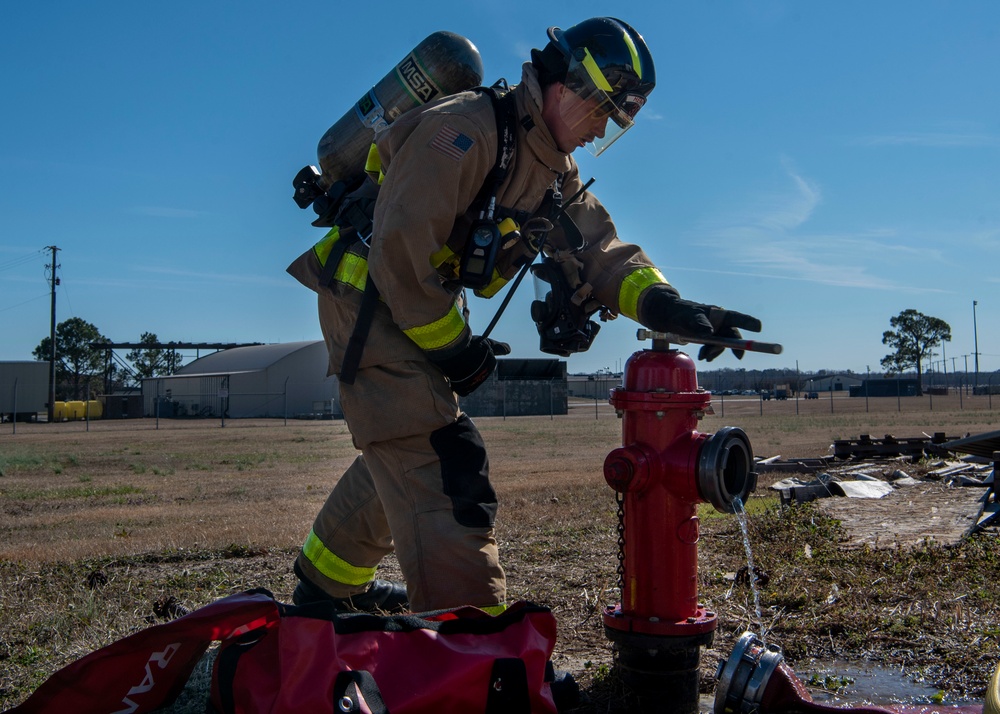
(465,473)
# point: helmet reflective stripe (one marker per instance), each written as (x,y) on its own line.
(636,64)
(600,81)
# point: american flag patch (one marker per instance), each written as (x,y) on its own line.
(451,143)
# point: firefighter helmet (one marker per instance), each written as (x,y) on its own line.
(607,63)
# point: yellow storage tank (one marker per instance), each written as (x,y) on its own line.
(74,410)
(59,411)
(94,409)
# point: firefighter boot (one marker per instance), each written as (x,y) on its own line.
(381,596)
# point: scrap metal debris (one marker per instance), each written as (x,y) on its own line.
(844,475)
(983,445)
(865,447)
(826,484)
(857,481)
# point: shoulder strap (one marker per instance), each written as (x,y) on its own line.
(505,111)
(356,345)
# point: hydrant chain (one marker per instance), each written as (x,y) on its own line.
(620,498)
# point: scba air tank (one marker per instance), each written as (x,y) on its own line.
(444,63)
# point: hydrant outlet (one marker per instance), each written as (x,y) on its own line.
(725,469)
(627,468)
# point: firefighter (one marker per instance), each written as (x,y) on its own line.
(420,486)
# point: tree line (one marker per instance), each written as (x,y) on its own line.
(82,368)
(80,365)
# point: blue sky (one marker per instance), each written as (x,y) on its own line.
(820,165)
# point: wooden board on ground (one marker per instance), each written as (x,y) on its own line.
(908,515)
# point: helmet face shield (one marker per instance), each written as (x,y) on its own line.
(596,111)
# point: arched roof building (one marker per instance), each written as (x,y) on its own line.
(277,380)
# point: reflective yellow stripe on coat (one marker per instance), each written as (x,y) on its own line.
(353,268)
(632,287)
(439,333)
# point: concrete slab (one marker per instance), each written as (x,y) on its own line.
(908,516)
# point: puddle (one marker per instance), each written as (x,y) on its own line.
(872,684)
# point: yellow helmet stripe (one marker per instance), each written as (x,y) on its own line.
(636,64)
(595,72)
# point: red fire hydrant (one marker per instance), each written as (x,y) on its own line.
(662,471)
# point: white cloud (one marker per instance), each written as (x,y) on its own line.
(766,239)
(833,279)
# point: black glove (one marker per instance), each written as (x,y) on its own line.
(663,310)
(468,369)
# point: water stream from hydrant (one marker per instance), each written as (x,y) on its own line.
(741,517)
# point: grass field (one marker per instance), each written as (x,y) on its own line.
(106,527)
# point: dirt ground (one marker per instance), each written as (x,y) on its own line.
(102,527)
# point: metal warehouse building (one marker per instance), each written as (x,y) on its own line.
(289,380)
(520,387)
(280,380)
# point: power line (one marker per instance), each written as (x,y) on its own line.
(17,262)
(65,292)
(11,307)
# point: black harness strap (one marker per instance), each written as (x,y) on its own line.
(505,110)
(356,345)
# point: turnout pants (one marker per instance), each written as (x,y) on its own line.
(420,486)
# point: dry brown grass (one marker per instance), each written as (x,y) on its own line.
(99,525)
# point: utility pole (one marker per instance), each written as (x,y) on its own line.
(53,282)
(975,337)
